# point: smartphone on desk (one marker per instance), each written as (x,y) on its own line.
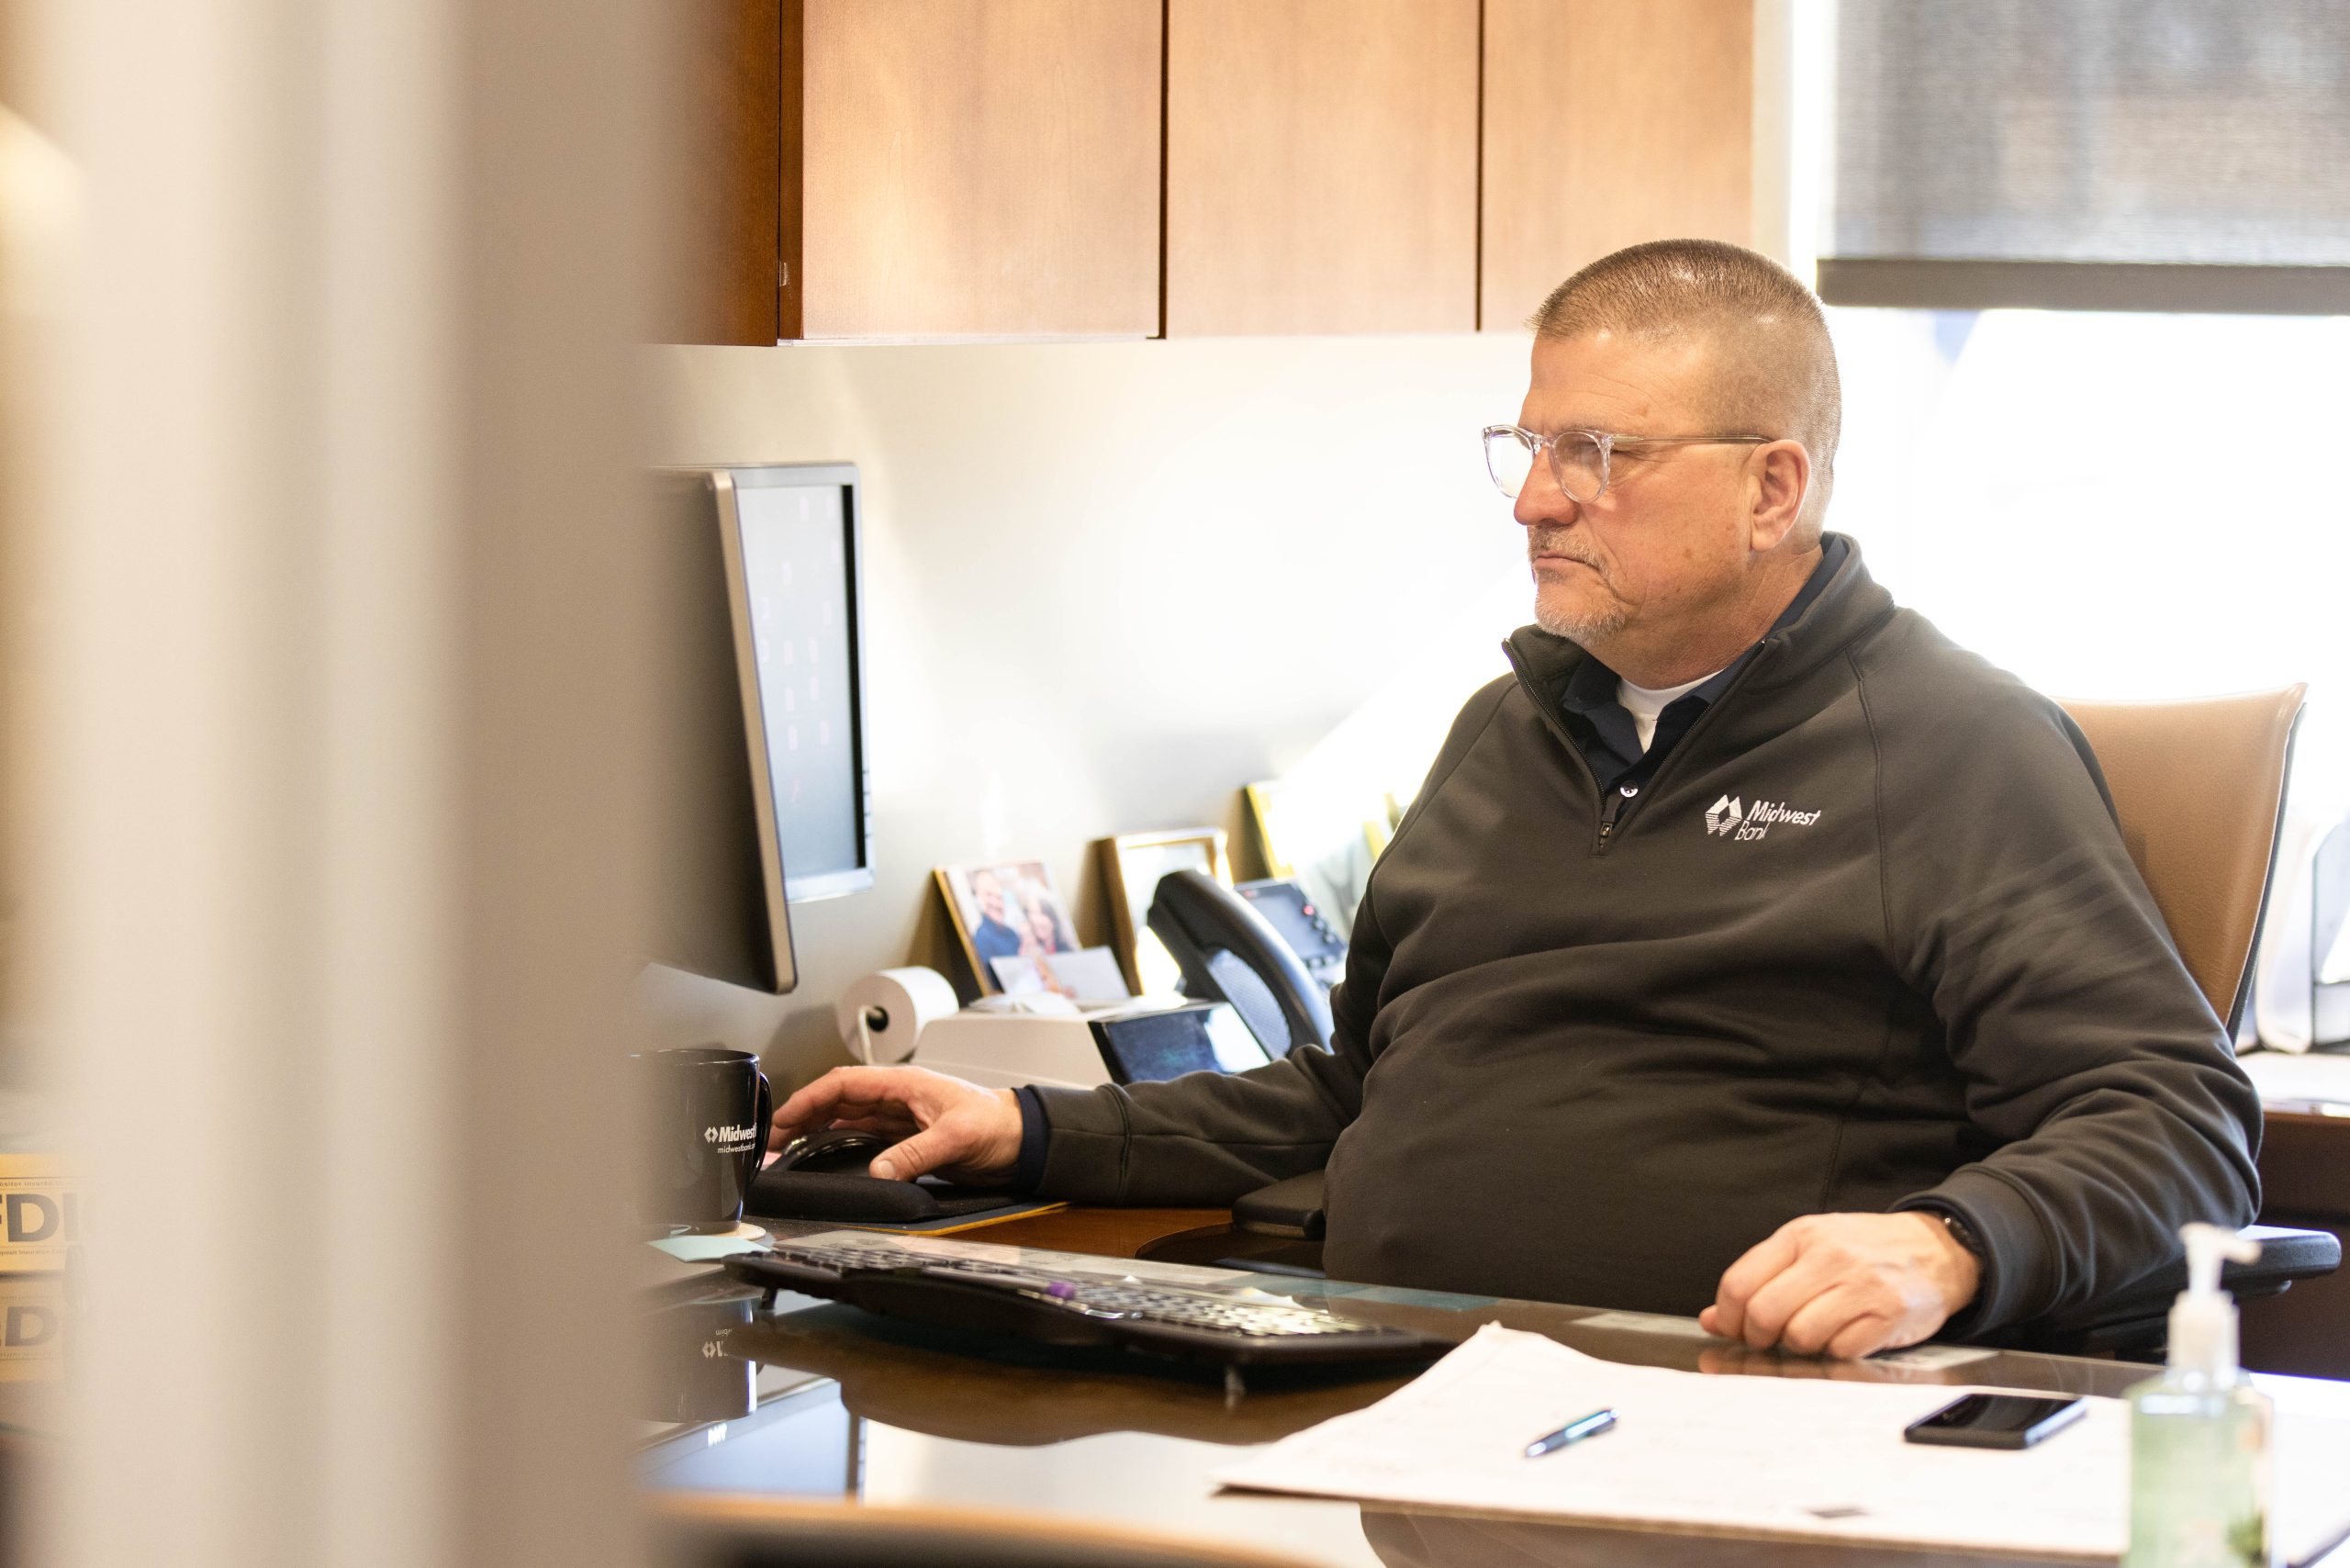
(1997,1421)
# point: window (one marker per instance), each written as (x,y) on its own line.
(2114,505)
(2101,154)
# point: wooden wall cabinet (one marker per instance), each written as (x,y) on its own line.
(973,168)
(1605,125)
(937,168)
(718,190)
(1321,166)
(915,168)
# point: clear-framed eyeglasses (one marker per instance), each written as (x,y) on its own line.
(1579,458)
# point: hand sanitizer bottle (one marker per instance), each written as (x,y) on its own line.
(2198,1434)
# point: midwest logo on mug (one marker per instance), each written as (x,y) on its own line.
(733,1138)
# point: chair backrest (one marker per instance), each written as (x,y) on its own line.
(2200,788)
(738,1531)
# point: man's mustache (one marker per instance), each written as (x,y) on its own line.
(1553,541)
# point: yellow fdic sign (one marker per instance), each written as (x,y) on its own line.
(38,1219)
(32,1328)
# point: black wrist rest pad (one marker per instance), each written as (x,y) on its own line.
(853,1195)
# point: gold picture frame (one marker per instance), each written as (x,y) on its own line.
(1131,864)
(1272,813)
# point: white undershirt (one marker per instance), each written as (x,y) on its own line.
(1644,705)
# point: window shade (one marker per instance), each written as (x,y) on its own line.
(2093,154)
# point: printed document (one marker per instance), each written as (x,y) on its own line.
(1812,1458)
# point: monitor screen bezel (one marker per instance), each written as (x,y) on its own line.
(727,482)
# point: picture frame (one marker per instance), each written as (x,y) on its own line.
(1294,828)
(1131,864)
(1326,843)
(1005,908)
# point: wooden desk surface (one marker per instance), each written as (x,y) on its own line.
(1106,1233)
(892,1414)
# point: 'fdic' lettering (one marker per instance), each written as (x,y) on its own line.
(33,1216)
(29,1328)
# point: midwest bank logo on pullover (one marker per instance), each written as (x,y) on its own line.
(1730,818)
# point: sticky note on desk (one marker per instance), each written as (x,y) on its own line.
(710,1248)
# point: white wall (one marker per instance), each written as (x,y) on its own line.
(1108,585)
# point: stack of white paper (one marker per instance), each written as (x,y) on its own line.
(1805,1456)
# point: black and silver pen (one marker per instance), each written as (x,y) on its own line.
(1590,1426)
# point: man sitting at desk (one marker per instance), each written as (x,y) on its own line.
(1750,949)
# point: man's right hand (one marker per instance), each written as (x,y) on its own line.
(955,1128)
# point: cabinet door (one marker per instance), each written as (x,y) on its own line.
(720,171)
(1608,124)
(1321,166)
(970,168)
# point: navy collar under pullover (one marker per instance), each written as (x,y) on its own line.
(1603,728)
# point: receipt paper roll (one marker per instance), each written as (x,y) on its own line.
(896,1006)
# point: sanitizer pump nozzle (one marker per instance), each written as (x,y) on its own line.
(2203,1319)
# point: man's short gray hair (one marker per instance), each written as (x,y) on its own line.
(1778,364)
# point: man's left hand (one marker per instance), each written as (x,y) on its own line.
(1845,1285)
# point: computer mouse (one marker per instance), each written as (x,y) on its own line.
(832,1150)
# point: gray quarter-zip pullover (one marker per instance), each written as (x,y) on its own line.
(1871,941)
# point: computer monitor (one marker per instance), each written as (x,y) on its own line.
(764,777)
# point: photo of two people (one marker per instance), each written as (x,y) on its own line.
(1018,936)
(1011,910)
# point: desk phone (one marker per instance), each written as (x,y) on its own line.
(1300,920)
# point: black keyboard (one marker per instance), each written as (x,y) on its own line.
(1057,1308)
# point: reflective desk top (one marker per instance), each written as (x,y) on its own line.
(818,1400)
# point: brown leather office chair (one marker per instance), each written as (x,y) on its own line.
(726,1531)
(2199,788)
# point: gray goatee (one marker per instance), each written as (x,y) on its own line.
(1576,626)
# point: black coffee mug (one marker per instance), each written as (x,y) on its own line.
(705,1115)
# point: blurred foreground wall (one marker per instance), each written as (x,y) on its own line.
(323,634)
